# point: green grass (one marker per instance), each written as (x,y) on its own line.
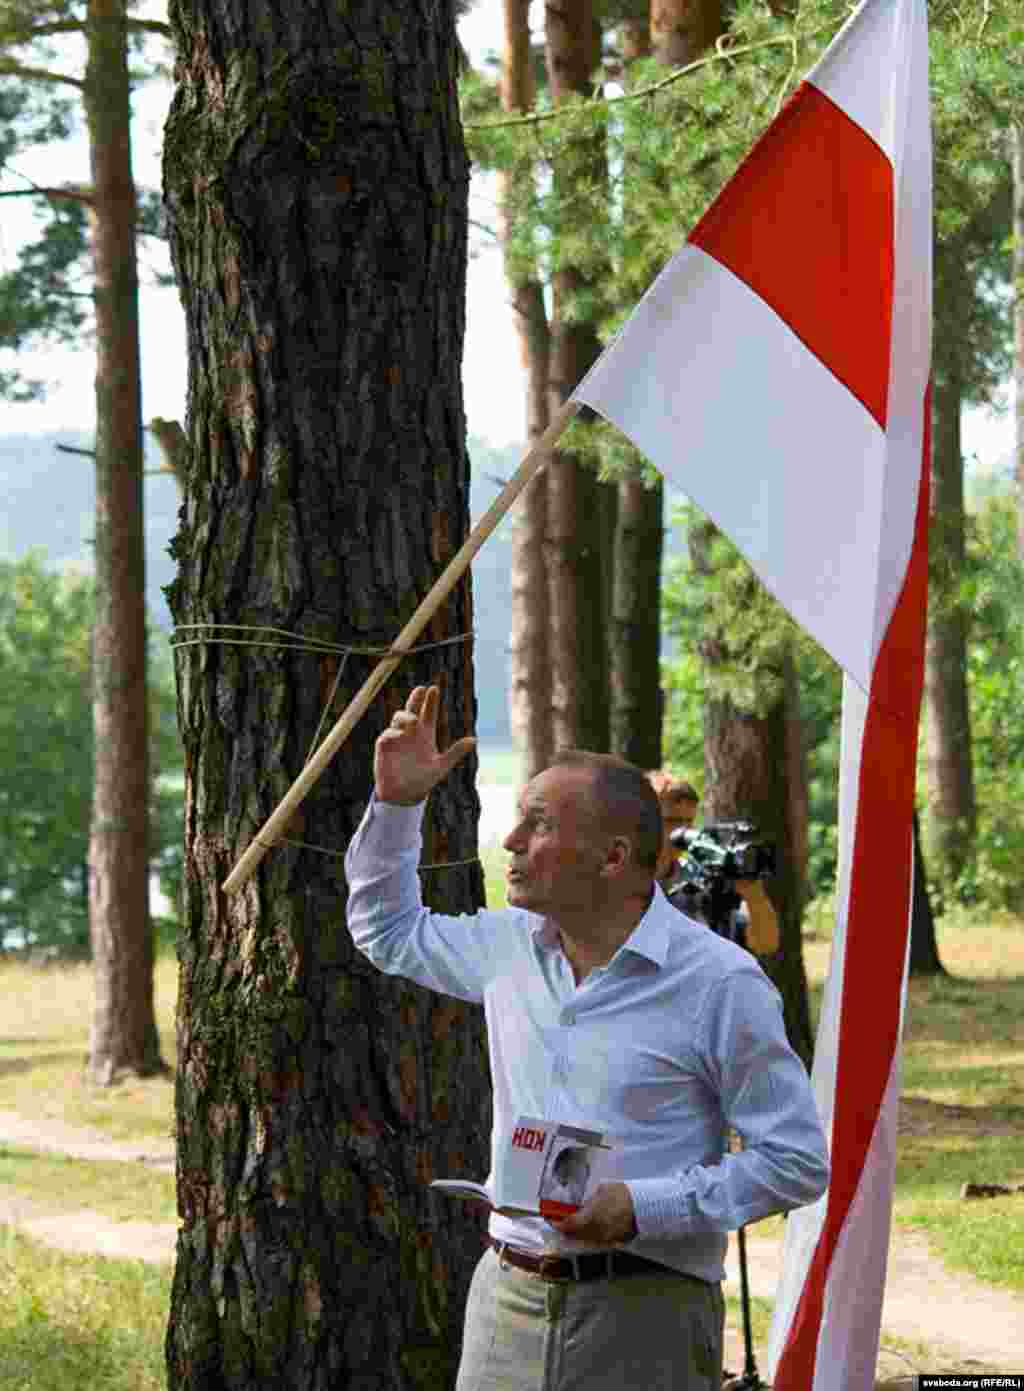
(70,1322)
(123,1191)
(962,1109)
(44,1039)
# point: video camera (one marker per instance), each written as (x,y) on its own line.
(721,852)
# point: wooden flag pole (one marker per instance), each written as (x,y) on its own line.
(533,461)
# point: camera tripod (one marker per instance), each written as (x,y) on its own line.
(722,901)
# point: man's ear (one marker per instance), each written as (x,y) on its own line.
(619,857)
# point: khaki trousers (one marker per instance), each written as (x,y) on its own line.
(657,1332)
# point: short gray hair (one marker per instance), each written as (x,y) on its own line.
(623,798)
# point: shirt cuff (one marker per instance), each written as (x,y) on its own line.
(394,816)
(658,1206)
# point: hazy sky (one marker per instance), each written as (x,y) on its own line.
(492,375)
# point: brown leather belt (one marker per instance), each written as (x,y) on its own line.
(593,1265)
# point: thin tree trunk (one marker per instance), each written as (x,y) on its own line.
(123,1034)
(635,632)
(530,707)
(580,509)
(678,32)
(924,949)
(1017,146)
(636,713)
(682,29)
(950,768)
(316,183)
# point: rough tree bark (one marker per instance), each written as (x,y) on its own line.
(316,184)
(952,815)
(123,1034)
(530,707)
(580,509)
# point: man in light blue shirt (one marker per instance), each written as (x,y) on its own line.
(607,1009)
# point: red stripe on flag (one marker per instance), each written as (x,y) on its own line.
(878,920)
(807,223)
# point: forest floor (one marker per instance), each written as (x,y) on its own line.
(934,1319)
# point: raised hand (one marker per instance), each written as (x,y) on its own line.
(406,762)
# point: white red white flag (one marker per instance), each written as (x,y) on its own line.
(777,371)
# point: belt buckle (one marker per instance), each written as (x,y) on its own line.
(546,1261)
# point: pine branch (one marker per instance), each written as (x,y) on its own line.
(78,26)
(37,191)
(722,53)
(9,67)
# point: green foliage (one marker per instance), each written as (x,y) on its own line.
(47,297)
(669,143)
(718,606)
(46,759)
(42,297)
(990,590)
(45,755)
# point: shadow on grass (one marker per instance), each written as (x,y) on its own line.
(12,1067)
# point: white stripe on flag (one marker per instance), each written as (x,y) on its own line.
(739,392)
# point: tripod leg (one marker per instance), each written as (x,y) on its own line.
(750,1376)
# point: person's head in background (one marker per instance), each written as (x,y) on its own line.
(678,801)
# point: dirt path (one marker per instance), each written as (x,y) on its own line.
(962,1323)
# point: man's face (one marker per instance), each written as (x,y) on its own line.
(555,845)
(674,816)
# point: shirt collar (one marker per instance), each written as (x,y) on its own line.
(650,937)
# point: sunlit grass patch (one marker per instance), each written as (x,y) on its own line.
(124,1191)
(962,1107)
(79,1322)
(44,1041)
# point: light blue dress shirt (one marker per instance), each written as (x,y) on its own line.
(679,1035)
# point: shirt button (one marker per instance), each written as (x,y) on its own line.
(569,1017)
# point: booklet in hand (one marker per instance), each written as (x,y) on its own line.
(544,1168)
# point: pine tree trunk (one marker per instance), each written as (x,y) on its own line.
(924,949)
(746,778)
(637,699)
(676,31)
(529,660)
(316,184)
(950,768)
(1017,147)
(123,1034)
(580,509)
(682,29)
